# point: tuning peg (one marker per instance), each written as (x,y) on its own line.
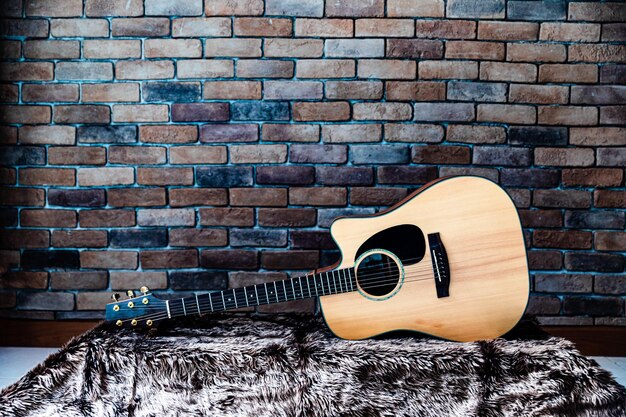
(144,290)
(115,297)
(130,293)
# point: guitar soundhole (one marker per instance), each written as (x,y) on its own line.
(378,274)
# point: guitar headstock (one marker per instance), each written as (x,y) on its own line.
(144,310)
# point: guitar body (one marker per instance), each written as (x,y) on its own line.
(488,273)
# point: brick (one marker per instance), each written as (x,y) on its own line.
(382,111)
(60,8)
(537,135)
(232,90)
(379,154)
(136,197)
(477,91)
(318,154)
(137,155)
(8,176)
(609,198)
(260,110)
(229,259)
(354,48)
(106,218)
(51,49)
(11,49)
(287,175)
(356,8)
(47,176)
(126,280)
(593,177)
(570,32)
(172,48)
(568,73)
(59,301)
(140,113)
(105,176)
(26,71)
(454,112)
(81,71)
(198,155)
(113,8)
(261,26)
(9,93)
(305,239)
(495,155)
(23,155)
(347,133)
(414,48)
(405,174)
(344,175)
(611,241)
(200,112)
(597,53)
(108,259)
(446,29)
(140,26)
(376,196)
(201,27)
(286,217)
(290,90)
(568,115)
(576,283)
(165,176)
(561,198)
(76,198)
(490,9)
(12,8)
(413,132)
(324,28)
(32,28)
(79,238)
(565,239)
(384,28)
(475,134)
(47,218)
(506,113)
(166,217)
(432,154)
(533,10)
(598,136)
(290,133)
(584,219)
(294,48)
(234,7)
(523,52)
(76,155)
(50,92)
(541,218)
(183,197)
(541,94)
(613,115)
(387,69)
(79,28)
(225,177)
(237,47)
(564,156)
(144,70)
(174,259)
(198,237)
(592,11)
(613,32)
(251,237)
(600,262)
(201,68)
(300,259)
(325,68)
(334,111)
(95,93)
(105,49)
(72,280)
(317,196)
(82,113)
(504,71)
(168,134)
(598,94)
(40,259)
(107,134)
(448,70)
(25,114)
(611,157)
(17,239)
(258,154)
(198,280)
(313,8)
(415,8)
(507,31)
(485,51)
(177,8)
(226,216)
(252,68)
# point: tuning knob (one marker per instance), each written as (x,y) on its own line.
(144,290)
(130,293)
(115,297)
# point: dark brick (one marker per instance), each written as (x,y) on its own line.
(226,216)
(40,259)
(8,299)
(8,217)
(136,197)
(198,280)
(502,155)
(610,241)
(583,219)
(200,112)
(171,91)
(414,48)
(260,110)
(562,198)
(30,28)
(536,178)
(46,301)
(290,175)
(613,74)
(76,198)
(379,154)
(609,198)
(82,113)
(301,259)
(224,176)
(229,133)
(22,155)
(435,154)
(376,196)
(541,218)
(74,280)
(311,239)
(327,216)
(562,239)
(344,175)
(138,238)
(598,94)
(107,134)
(610,284)
(258,237)
(537,10)
(405,174)
(29,280)
(600,262)
(172,258)
(286,217)
(318,154)
(229,259)
(592,306)
(537,135)
(543,304)
(611,157)
(477,91)
(476,9)
(560,283)
(544,259)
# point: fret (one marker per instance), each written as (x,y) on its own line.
(276,292)
(293,288)
(285,288)
(301,289)
(211,302)
(332,273)
(328,282)
(223,300)
(340,283)
(167,306)
(256,292)
(235,297)
(182,301)
(345,279)
(308,285)
(198,305)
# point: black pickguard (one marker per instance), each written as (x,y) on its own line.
(406,241)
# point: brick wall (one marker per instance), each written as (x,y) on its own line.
(192,146)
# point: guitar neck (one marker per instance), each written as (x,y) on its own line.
(296,288)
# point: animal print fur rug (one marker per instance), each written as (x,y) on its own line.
(293,366)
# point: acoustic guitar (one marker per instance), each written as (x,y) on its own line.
(449,261)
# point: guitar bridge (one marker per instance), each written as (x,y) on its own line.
(441,267)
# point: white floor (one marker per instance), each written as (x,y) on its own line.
(16,361)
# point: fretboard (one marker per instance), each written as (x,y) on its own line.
(296,288)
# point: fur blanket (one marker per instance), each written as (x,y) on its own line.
(293,366)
